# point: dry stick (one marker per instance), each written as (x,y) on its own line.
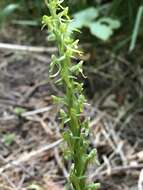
(28,156)
(37,111)
(19,187)
(9,181)
(28,113)
(100,169)
(60,164)
(140,181)
(32,116)
(43,124)
(30,92)
(119,169)
(24,48)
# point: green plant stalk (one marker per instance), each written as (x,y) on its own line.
(136,28)
(74,100)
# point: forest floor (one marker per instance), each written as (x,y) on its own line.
(30,138)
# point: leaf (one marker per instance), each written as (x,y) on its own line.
(136,28)
(112,23)
(77,68)
(93,186)
(57,100)
(51,37)
(8,10)
(67,136)
(87,14)
(47,20)
(83,17)
(100,30)
(92,157)
(8,139)
(19,110)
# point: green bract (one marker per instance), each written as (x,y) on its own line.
(66,73)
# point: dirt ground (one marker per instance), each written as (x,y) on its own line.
(30,140)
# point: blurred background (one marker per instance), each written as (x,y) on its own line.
(112,41)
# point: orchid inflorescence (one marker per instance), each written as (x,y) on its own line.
(61,67)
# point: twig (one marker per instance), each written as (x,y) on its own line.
(9,181)
(21,182)
(24,48)
(119,169)
(60,164)
(37,111)
(100,169)
(27,114)
(30,92)
(140,181)
(42,122)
